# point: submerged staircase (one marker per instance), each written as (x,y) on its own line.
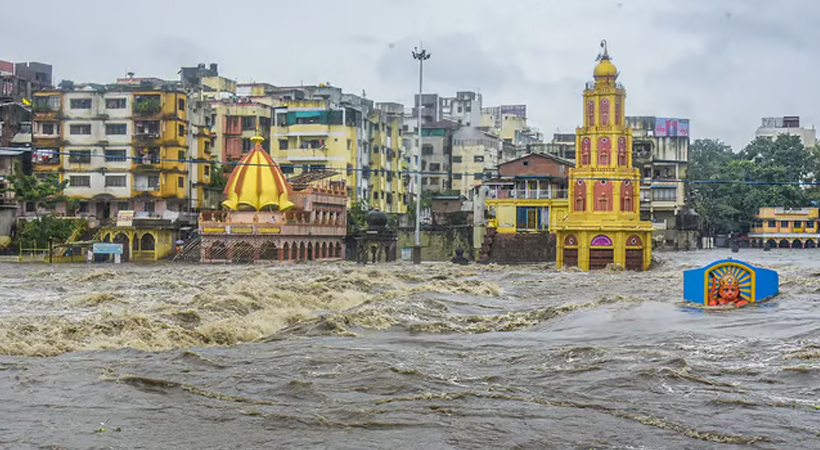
(190,250)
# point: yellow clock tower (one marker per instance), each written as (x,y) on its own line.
(604,223)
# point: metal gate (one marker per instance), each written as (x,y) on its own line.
(599,258)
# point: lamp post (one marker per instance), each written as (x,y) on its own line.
(420,55)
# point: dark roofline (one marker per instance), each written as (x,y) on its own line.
(557,159)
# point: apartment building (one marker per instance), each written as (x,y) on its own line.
(772,127)
(121,147)
(660,150)
(475,158)
(235,121)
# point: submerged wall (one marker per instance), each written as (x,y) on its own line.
(439,243)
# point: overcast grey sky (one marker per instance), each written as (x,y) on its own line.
(722,63)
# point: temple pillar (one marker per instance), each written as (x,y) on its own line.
(281,255)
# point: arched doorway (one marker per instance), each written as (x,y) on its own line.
(243,252)
(772,243)
(286,251)
(269,252)
(634,253)
(784,244)
(147,245)
(217,251)
(122,238)
(797,243)
(302,252)
(811,244)
(310,255)
(601,252)
(324,250)
(338,250)
(570,251)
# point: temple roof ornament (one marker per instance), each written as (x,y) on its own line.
(257,182)
(605,68)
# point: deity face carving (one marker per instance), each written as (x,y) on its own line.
(729,290)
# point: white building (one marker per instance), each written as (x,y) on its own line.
(775,126)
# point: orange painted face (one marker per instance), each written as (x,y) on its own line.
(729,292)
(729,289)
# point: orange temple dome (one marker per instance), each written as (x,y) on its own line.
(257,182)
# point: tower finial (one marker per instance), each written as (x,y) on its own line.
(604,55)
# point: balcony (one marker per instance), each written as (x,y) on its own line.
(523,194)
(147,105)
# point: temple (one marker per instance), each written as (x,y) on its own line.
(267,217)
(603,225)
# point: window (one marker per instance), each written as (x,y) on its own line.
(181,155)
(264,123)
(207,170)
(149,207)
(181,104)
(784,224)
(247,145)
(181,182)
(283,144)
(349,142)
(435,167)
(115,181)
(248,123)
(478,175)
(79,181)
(478,159)
(526,163)
(84,207)
(207,146)
(426,149)
(664,195)
(116,128)
(181,131)
(375,149)
(79,156)
(456,159)
(115,155)
(48,128)
(434,181)
(772,223)
(798,224)
(30,207)
(80,129)
(153,181)
(80,103)
(456,176)
(115,103)
(286,168)
(122,206)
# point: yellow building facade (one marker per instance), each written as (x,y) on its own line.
(786,228)
(385,166)
(603,225)
(124,147)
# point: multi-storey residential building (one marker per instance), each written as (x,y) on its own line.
(773,126)
(235,121)
(125,147)
(475,156)
(509,122)
(436,155)
(463,109)
(660,151)
(17,83)
(386,162)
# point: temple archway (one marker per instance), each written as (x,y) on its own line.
(286,251)
(580,196)
(148,242)
(310,255)
(810,243)
(601,252)
(243,252)
(797,243)
(602,193)
(324,250)
(122,238)
(785,244)
(570,251)
(634,253)
(269,252)
(604,151)
(302,252)
(771,243)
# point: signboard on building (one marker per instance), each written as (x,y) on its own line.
(6,68)
(102,248)
(125,218)
(665,127)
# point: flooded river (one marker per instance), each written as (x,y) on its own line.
(400,356)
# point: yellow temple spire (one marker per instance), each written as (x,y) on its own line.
(257,182)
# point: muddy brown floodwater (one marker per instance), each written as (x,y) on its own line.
(400,356)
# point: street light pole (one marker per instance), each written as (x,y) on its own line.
(420,55)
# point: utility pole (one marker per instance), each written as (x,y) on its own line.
(420,55)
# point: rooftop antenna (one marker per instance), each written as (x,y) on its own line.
(130,75)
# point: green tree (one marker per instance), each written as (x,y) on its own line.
(37,233)
(45,193)
(218,178)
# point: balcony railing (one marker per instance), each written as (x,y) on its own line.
(528,194)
